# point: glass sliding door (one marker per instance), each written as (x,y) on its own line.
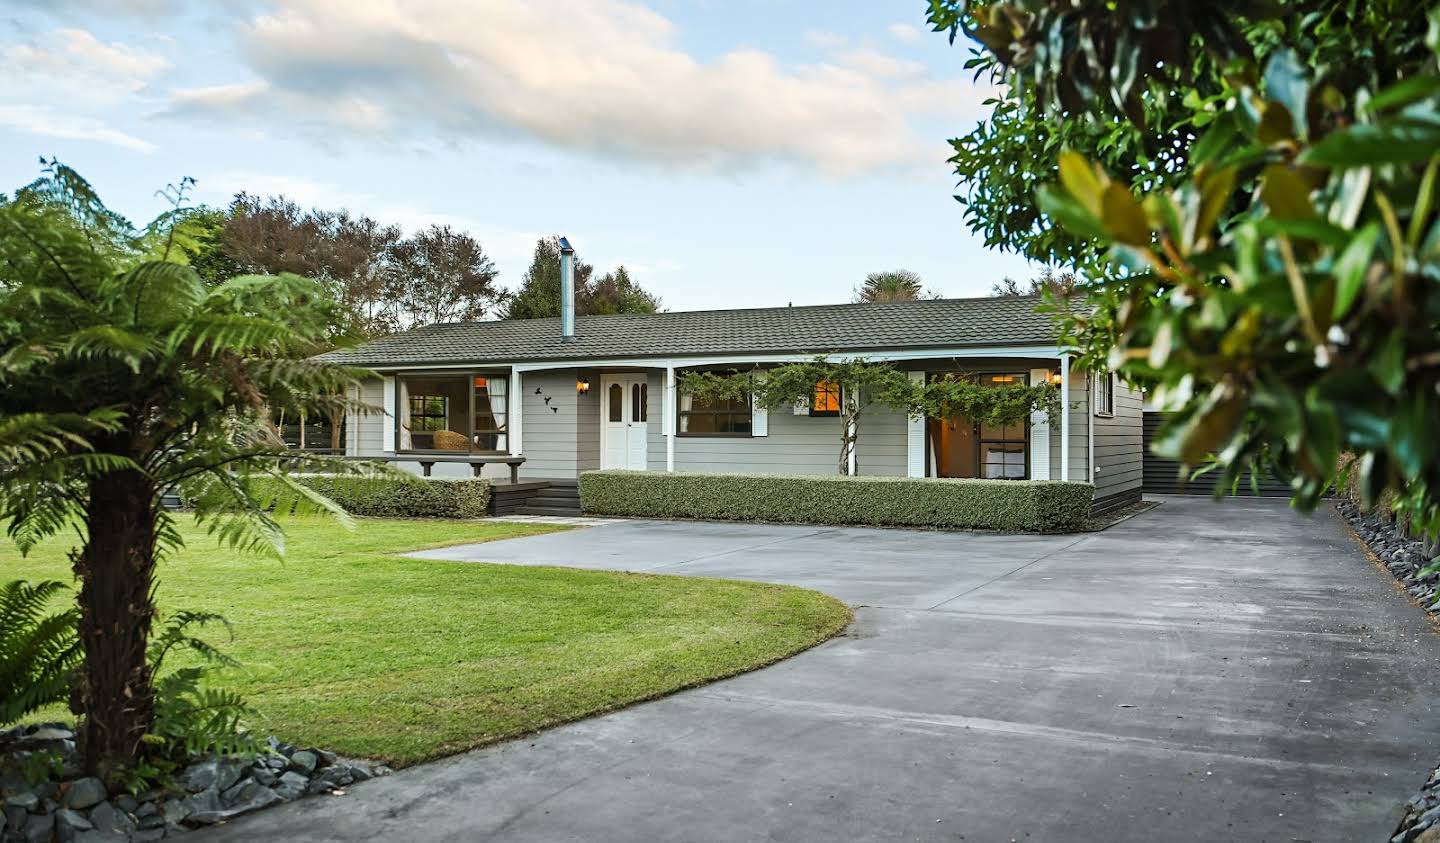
(961,448)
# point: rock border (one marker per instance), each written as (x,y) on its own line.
(1404,558)
(210,791)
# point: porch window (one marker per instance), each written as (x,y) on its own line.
(826,399)
(716,417)
(465,413)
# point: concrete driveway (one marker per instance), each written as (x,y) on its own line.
(1202,672)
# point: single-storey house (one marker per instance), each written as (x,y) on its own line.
(599,392)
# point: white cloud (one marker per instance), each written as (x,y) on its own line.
(74,64)
(905,32)
(44,120)
(600,76)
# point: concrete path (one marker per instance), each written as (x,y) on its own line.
(1201,672)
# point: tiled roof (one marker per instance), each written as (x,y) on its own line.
(819,329)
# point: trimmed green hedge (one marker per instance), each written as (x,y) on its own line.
(398,497)
(1022,506)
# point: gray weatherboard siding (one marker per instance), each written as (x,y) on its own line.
(562,438)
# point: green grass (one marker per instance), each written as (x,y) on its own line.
(346,646)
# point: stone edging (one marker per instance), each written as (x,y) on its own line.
(81,810)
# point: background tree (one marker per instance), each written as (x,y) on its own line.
(539,293)
(1057,285)
(864,383)
(1274,282)
(122,377)
(354,257)
(443,275)
(892,285)
(614,292)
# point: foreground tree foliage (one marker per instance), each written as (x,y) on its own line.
(1253,188)
(852,385)
(123,376)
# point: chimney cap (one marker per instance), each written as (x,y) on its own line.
(565,245)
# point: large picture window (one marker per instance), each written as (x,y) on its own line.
(466,413)
(716,417)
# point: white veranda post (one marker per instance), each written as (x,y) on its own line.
(1064,417)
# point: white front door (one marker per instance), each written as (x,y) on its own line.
(623,421)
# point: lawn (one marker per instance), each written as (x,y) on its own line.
(346,646)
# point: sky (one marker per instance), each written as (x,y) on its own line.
(730,153)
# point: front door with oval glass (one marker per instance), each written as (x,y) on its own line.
(624,417)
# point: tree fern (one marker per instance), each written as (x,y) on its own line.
(38,651)
(124,376)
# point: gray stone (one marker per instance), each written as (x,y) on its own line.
(126,803)
(107,818)
(151,821)
(15,816)
(39,828)
(327,758)
(304,761)
(293,780)
(214,772)
(360,774)
(176,810)
(84,793)
(263,798)
(240,792)
(265,776)
(68,822)
(147,809)
(205,800)
(27,800)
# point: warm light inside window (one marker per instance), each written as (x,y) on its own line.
(827,398)
(481,383)
(1002,378)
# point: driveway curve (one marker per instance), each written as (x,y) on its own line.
(1201,672)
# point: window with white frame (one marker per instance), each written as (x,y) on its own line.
(1104,393)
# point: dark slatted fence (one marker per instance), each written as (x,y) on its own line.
(1162,476)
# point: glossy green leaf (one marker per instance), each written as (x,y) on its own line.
(1216,189)
(1365,145)
(1068,213)
(1351,266)
(1123,217)
(1403,93)
(1276,124)
(1078,176)
(1285,194)
(1388,364)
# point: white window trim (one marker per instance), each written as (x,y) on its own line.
(1095,380)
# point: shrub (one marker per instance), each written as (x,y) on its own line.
(1031,506)
(38,652)
(394,496)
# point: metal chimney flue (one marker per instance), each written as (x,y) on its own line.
(567,291)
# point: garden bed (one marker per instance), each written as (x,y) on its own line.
(1019,506)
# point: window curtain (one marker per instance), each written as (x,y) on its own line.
(405,443)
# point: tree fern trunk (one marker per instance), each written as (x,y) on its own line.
(116,571)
